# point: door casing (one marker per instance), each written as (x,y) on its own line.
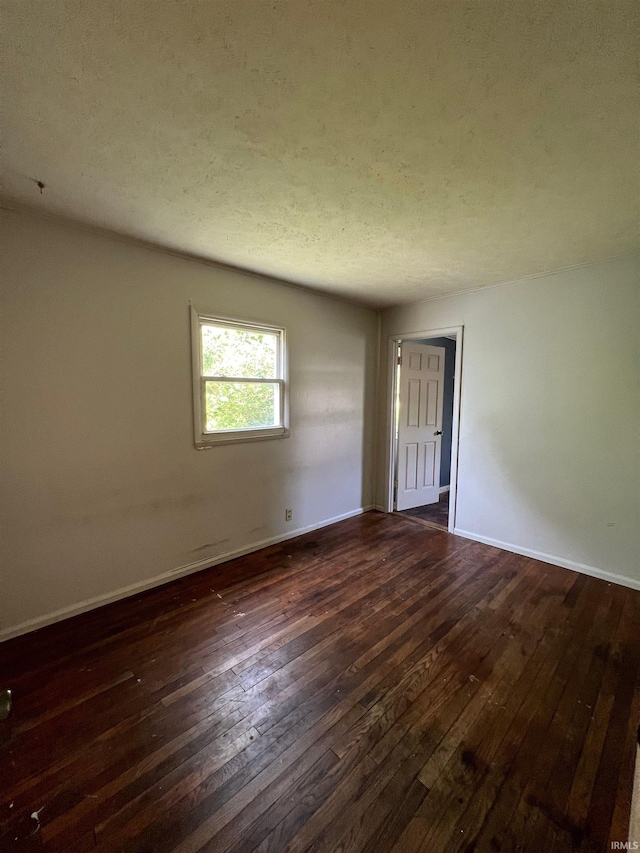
(392,345)
(421,366)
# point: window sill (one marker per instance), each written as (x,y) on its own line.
(237,436)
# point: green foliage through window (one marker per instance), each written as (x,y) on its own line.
(236,353)
(241,405)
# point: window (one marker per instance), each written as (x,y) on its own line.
(239,384)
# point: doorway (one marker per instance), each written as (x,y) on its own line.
(425,382)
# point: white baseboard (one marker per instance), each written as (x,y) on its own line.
(379,507)
(594,572)
(165,577)
(444,489)
(634,823)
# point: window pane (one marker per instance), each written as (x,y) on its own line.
(241,405)
(236,352)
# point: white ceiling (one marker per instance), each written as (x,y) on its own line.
(386,151)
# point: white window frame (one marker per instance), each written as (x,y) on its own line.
(204,438)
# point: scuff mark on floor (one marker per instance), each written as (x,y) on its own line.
(36,816)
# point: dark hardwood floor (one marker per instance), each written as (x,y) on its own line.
(436,514)
(373,686)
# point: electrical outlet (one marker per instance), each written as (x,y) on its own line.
(288,514)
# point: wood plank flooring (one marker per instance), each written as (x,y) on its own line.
(436,514)
(374,686)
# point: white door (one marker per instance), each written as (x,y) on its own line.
(419,424)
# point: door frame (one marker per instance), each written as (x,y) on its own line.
(390,450)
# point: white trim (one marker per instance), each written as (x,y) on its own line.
(634,820)
(165,577)
(458,331)
(563,563)
(390,427)
(204,439)
(444,489)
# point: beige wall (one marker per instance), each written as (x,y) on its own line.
(102,488)
(103,491)
(549,454)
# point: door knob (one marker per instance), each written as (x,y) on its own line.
(438,432)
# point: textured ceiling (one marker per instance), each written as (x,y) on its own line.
(387,151)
